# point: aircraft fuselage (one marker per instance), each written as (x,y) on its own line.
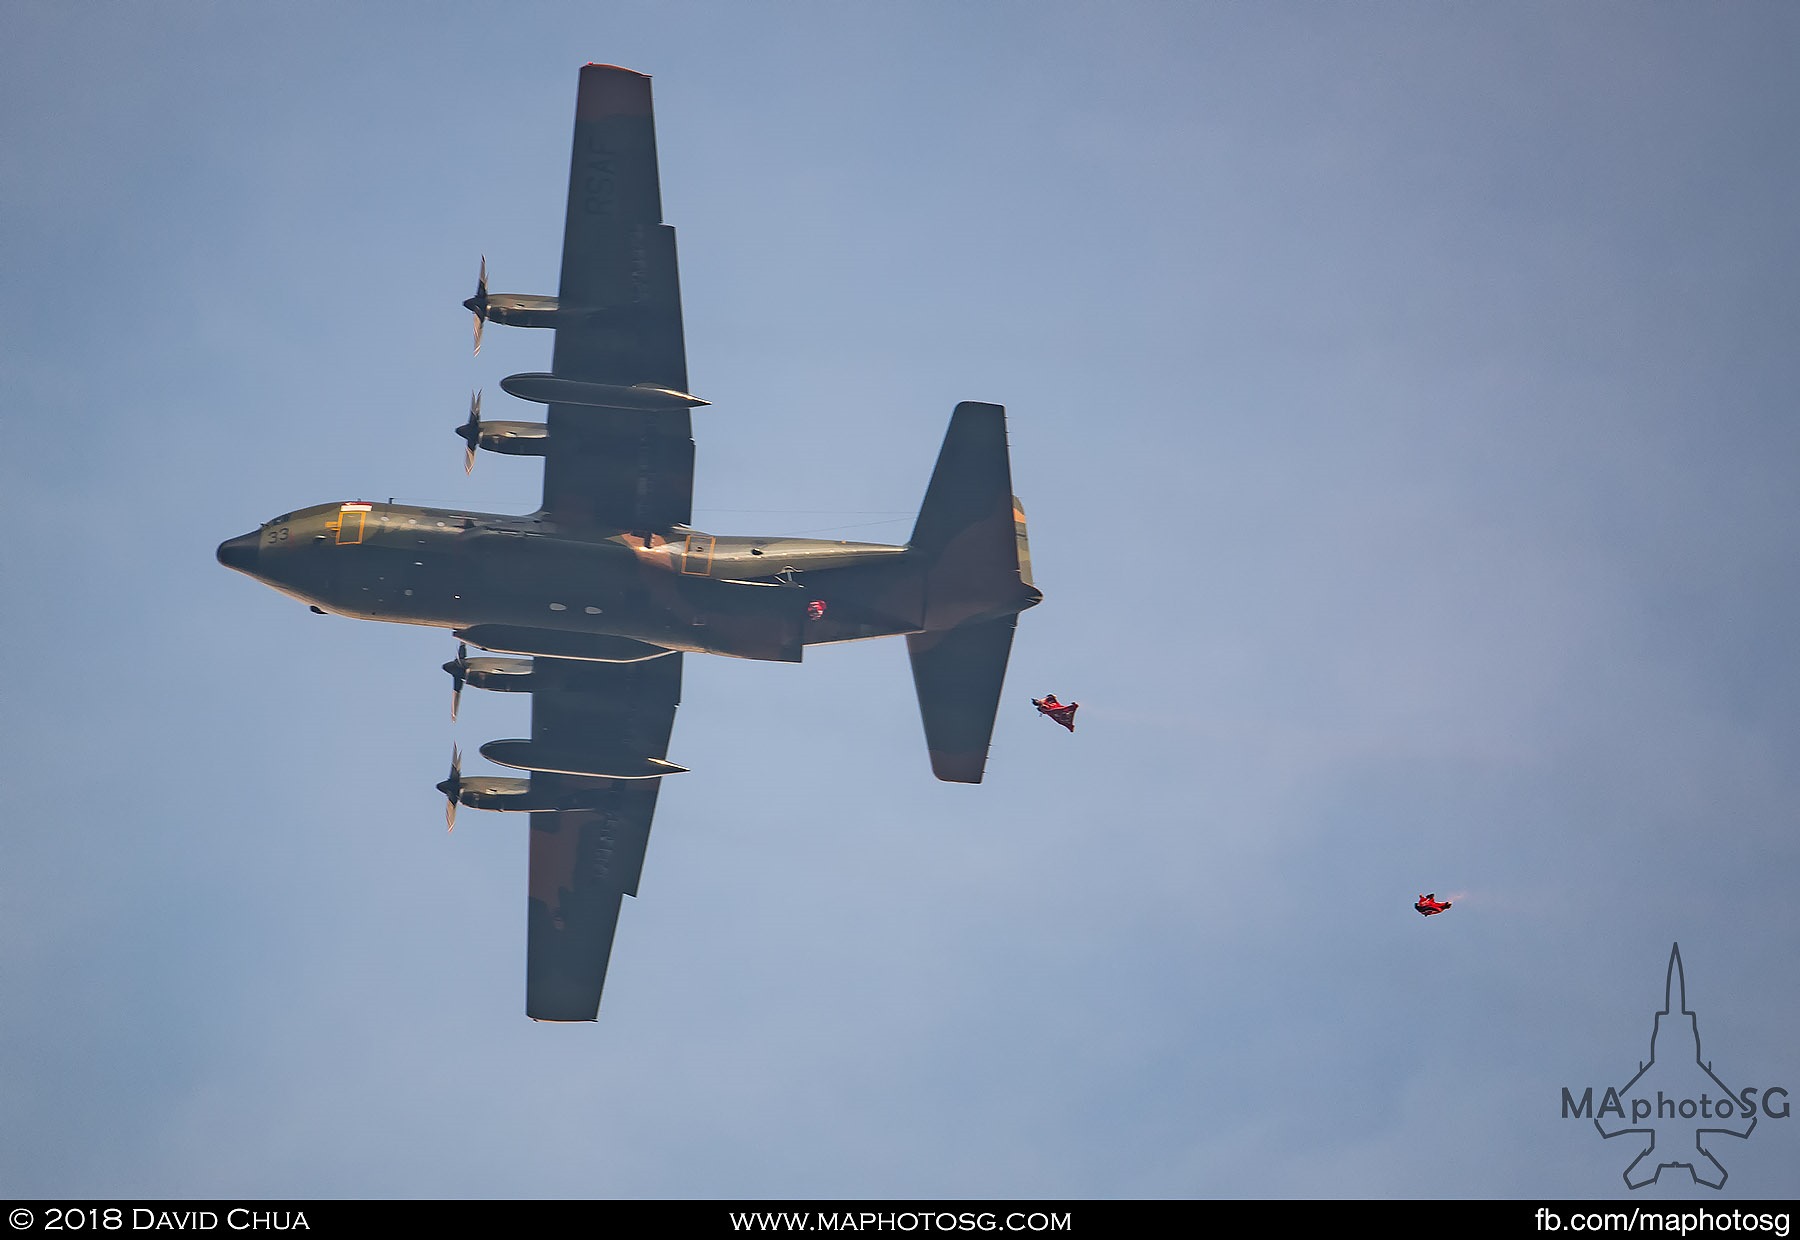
(498,576)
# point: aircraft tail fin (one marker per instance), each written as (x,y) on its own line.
(970,536)
(1024,544)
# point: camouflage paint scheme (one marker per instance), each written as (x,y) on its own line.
(607,585)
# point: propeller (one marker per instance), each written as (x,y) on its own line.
(459,671)
(479,303)
(471,432)
(452,787)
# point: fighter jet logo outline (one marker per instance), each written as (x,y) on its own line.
(1678,1108)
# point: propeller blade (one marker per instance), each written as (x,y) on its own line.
(471,432)
(452,788)
(478,303)
(458,669)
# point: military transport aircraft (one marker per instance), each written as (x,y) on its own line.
(589,603)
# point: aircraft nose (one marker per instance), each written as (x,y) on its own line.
(240,552)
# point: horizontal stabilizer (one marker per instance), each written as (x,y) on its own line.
(968,531)
(958,674)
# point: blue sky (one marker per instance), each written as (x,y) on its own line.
(1402,397)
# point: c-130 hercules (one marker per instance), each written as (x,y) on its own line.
(605,586)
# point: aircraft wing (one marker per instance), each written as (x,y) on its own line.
(619,322)
(583,862)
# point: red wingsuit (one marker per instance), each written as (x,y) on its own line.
(1062,712)
(1430,904)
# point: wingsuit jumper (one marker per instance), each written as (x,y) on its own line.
(1062,712)
(1429,905)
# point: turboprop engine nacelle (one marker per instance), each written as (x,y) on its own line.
(515,796)
(498,675)
(515,438)
(512,309)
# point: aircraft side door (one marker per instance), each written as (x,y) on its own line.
(697,555)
